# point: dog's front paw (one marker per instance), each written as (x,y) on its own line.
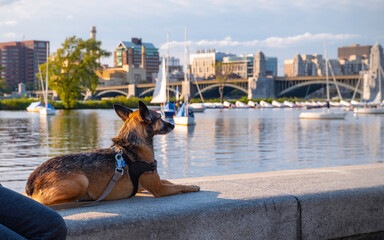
(193,188)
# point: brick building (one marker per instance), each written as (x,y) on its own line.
(20,61)
(139,54)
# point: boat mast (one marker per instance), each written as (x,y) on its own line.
(186,100)
(167,66)
(379,73)
(326,70)
(185,56)
(46,79)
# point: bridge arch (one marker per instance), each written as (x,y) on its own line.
(210,87)
(99,94)
(307,83)
(153,89)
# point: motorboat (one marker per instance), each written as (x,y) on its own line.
(265,104)
(239,104)
(197,107)
(277,104)
(289,104)
(227,104)
(252,104)
(334,104)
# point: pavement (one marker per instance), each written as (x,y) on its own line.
(324,203)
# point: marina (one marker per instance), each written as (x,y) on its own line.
(223,141)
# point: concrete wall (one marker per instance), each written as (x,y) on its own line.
(323,203)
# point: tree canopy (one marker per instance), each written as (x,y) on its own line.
(72,68)
(222,73)
(3,83)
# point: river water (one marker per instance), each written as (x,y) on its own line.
(228,141)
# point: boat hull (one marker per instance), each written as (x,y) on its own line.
(369,110)
(185,121)
(197,109)
(322,115)
(47,111)
(169,114)
(37,109)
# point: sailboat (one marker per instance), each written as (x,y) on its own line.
(328,114)
(160,93)
(185,115)
(44,109)
(48,109)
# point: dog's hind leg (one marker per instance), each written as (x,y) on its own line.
(159,187)
(68,189)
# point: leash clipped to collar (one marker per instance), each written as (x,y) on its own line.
(120,163)
(119,172)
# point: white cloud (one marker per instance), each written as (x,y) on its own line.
(271,42)
(10,35)
(9,23)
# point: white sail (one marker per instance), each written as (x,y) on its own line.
(160,93)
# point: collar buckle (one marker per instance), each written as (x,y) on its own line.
(120,163)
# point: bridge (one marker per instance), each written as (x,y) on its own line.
(296,86)
(279,87)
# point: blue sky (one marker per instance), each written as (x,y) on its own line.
(279,28)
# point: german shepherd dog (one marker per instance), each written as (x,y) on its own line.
(85,176)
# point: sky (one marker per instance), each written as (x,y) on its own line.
(278,28)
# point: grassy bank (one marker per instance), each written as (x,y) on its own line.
(23,103)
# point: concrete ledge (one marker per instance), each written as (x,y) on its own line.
(302,204)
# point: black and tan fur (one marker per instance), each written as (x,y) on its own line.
(85,175)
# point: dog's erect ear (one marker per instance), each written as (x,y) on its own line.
(122,111)
(144,112)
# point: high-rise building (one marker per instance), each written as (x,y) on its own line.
(239,65)
(20,61)
(271,66)
(294,67)
(203,62)
(354,49)
(372,81)
(138,54)
(259,65)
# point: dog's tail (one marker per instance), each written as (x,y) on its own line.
(30,186)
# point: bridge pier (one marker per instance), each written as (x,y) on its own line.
(132,90)
(261,87)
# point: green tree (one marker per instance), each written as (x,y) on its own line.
(72,68)
(3,84)
(222,73)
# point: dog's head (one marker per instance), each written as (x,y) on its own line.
(145,122)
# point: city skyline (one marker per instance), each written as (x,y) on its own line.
(278,28)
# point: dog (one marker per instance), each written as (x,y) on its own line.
(84,176)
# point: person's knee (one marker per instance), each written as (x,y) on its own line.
(57,226)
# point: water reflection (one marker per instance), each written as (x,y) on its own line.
(222,142)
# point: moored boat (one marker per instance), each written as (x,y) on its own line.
(239,104)
(197,107)
(252,104)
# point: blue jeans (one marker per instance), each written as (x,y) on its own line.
(24,218)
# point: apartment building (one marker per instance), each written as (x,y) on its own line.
(203,62)
(139,54)
(20,61)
